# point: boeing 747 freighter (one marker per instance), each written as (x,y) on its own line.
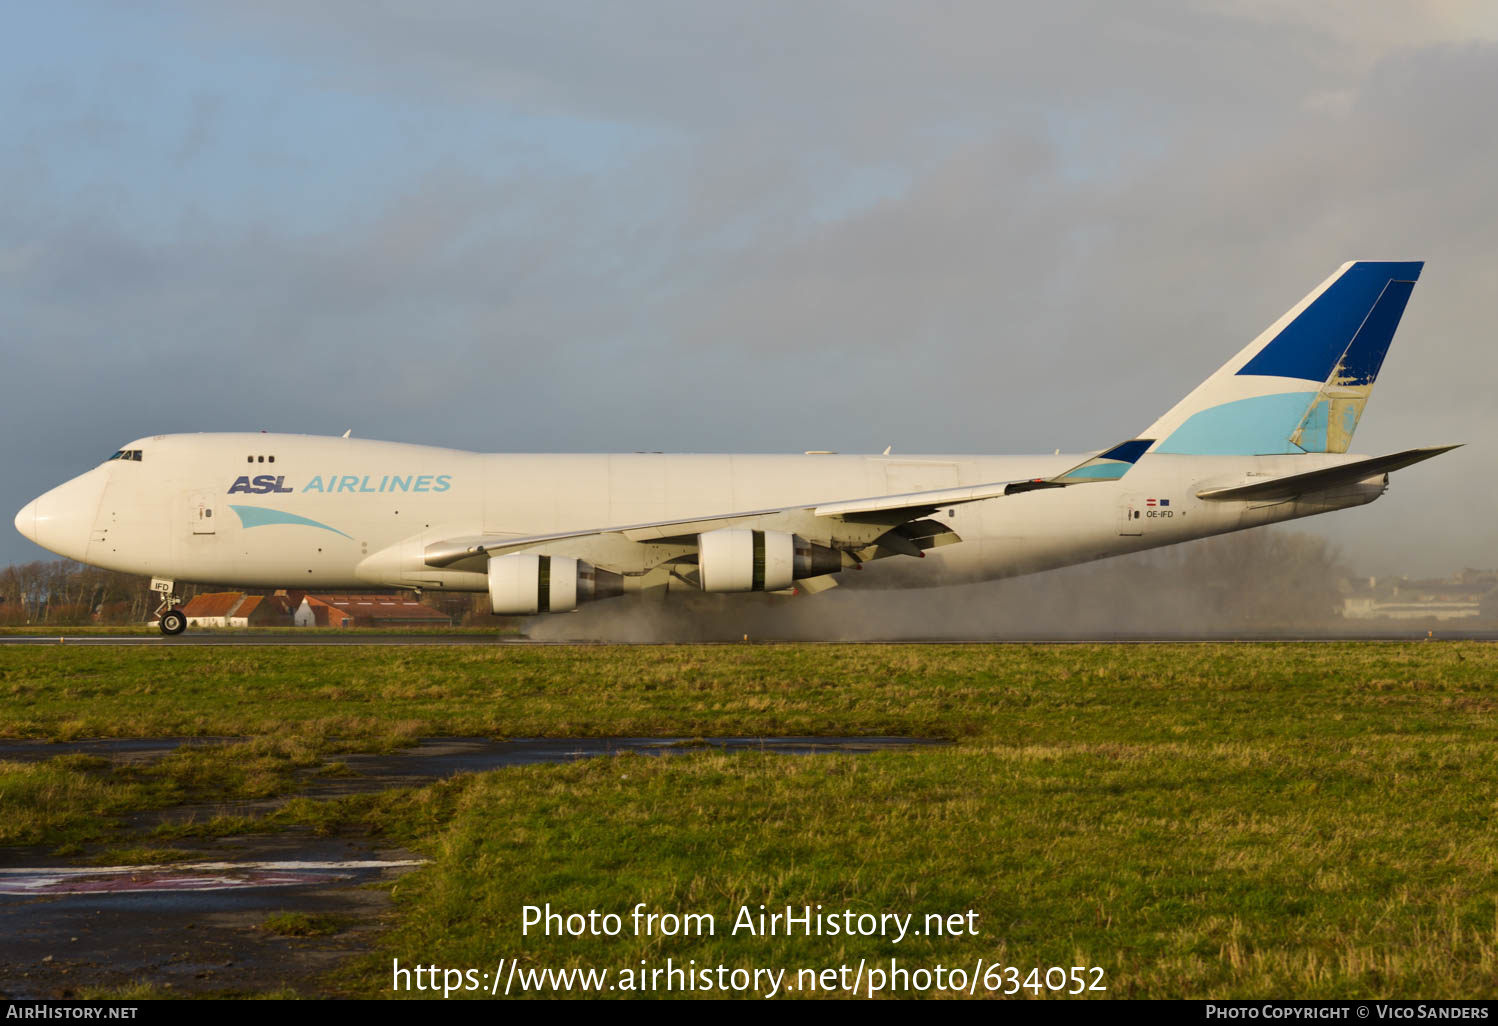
(1261,441)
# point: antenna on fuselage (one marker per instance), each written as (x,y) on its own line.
(348,432)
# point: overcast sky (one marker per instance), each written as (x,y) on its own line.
(946,227)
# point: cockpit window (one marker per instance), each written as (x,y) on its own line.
(127,454)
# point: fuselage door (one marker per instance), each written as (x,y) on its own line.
(202,511)
(1131,516)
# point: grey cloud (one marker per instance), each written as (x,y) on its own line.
(1090,206)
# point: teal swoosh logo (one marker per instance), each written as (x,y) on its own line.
(259,516)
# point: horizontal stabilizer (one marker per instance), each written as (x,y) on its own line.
(1327,477)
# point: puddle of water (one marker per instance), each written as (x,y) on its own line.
(124,750)
(445,756)
(439,757)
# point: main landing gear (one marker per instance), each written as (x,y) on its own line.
(171,619)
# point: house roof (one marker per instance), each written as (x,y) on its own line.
(215,603)
(380,607)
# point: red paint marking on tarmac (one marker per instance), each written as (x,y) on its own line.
(122,883)
(202,876)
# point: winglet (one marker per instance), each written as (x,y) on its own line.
(1109,465)
(1106,466)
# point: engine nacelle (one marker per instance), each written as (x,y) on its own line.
(524,583)
(740,559)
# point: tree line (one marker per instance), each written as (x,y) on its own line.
(66,593)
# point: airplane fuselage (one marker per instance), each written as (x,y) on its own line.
(1262,440)
(274,510)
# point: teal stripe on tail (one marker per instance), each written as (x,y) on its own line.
(1301,386)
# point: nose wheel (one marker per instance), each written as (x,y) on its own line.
(170,619)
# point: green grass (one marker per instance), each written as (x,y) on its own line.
(1184,870)
(1009,694)
(137,855)
(72,799)
(300,924)
(1213,820)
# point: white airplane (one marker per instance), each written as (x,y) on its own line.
(1261,441)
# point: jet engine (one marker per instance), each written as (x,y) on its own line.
(740,559)
(524,583)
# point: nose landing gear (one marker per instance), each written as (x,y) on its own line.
(170,619)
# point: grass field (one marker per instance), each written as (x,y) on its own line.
(1289,820)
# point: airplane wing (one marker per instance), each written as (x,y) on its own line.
(866,528)
(846,523)
(1328,477)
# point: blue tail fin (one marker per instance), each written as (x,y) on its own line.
(1301,385)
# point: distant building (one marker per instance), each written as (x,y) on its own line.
(1469,594)
(356,610)
(233,609)
(314,612)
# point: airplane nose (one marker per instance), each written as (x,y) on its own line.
(26,520)
(63,519)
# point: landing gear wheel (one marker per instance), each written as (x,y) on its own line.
(173,622)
